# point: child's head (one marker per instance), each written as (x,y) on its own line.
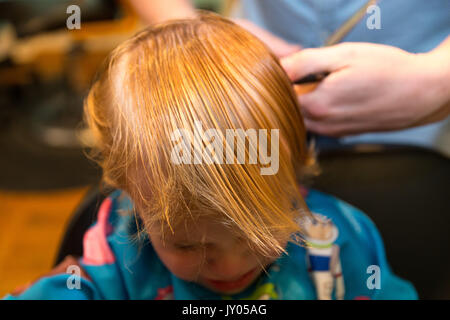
(210,221)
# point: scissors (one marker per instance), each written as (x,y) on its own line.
(335,38)
(312,77)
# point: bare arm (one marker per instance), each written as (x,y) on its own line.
(440,56)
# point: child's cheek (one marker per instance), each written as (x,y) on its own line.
(184,265)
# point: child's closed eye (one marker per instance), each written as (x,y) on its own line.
(187,247)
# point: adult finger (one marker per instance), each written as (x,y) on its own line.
(313,60)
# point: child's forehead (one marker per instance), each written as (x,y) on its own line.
(200,230)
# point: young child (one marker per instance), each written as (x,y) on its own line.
(194,217)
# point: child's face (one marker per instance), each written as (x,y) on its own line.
(209,254)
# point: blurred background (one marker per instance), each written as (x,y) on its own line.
(45,72)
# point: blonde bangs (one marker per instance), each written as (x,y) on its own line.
(210,71)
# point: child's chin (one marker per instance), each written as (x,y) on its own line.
(231,291)
(227,292)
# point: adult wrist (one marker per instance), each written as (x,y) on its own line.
(440,58)
(435,67)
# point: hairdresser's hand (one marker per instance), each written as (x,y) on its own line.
(371,88)
(279,46)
